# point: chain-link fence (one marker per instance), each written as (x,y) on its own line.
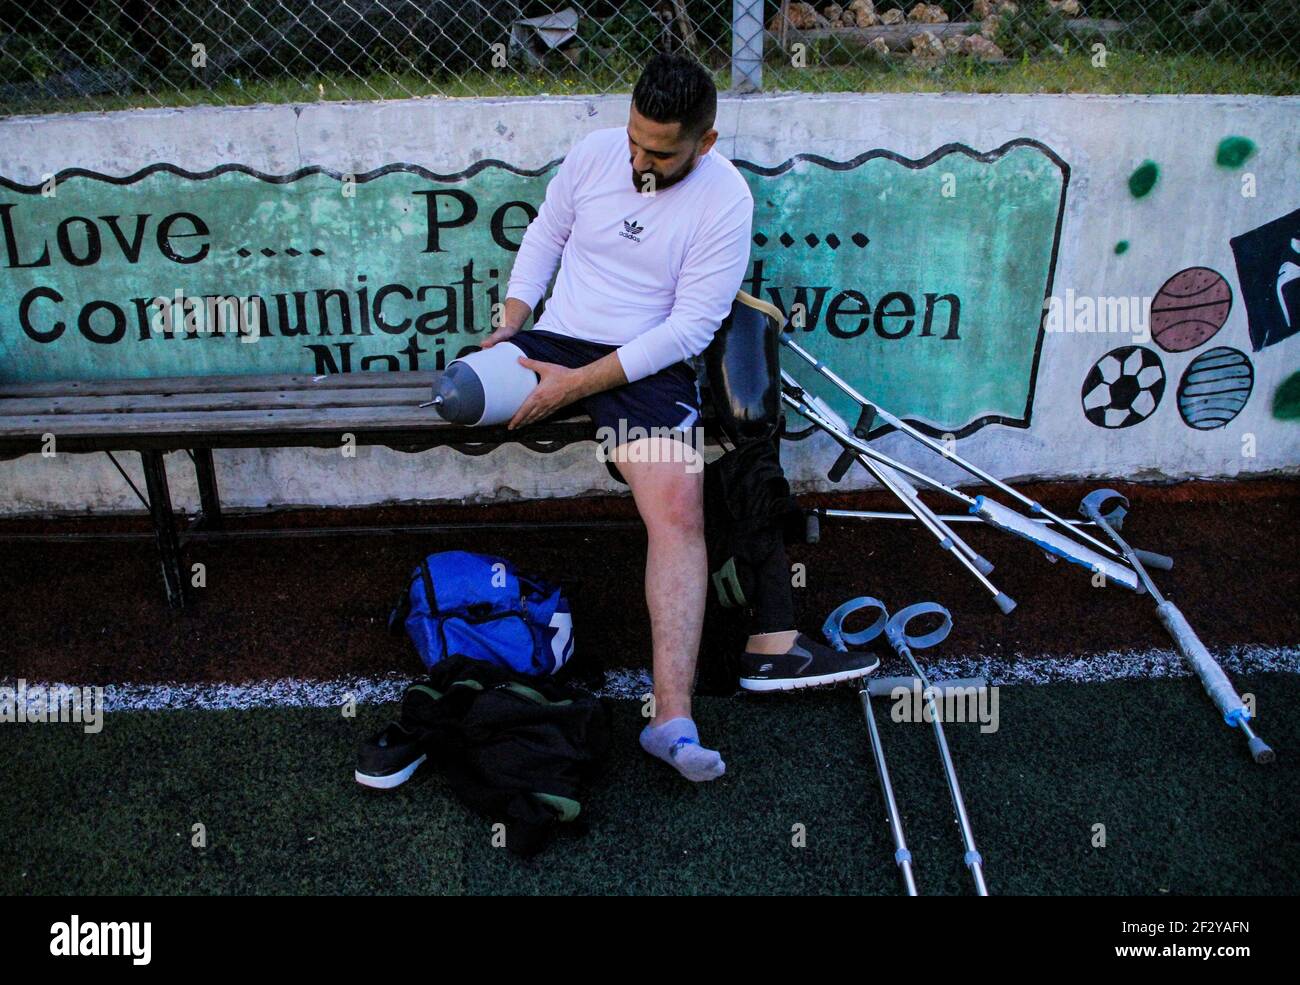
(96,54)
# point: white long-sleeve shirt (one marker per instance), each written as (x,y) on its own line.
(652,274)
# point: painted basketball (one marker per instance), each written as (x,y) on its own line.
(1215,388)
(1189,309)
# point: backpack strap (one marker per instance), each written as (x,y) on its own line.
(401,610)
(427,577)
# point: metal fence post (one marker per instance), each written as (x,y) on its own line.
(747,45)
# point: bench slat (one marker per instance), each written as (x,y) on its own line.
(217,384)
(336,419)
(174,403)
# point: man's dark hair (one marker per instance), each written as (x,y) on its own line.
(677,89)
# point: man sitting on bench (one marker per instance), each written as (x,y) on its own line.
(652,260)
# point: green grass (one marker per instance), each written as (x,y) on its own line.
(1125,72)
(1185,810)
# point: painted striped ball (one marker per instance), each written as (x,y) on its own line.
(1215,387)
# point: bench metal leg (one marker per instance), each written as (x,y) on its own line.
(209,497)
(164,525)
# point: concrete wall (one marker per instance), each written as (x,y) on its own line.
(1190,206)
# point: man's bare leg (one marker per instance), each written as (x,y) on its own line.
(670,500)
(779,642)
(667,485)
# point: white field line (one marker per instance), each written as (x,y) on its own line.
(635,683)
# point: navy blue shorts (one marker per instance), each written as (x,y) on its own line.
(668,399)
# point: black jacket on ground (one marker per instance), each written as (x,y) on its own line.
(516,749)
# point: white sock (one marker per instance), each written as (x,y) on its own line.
(677,743)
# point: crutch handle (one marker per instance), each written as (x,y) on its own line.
(962,684)
(1162,562)
(884,687)
(842,465)
(862,431)
(880,687)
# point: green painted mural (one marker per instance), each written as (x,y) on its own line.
(392,270)
(941,265)
(1286,399)
(923,282)
(1233,152)
(1143,179)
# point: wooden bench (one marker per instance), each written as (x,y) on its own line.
(200,413)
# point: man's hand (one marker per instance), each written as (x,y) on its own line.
(556,386)
(500,335)
(513,318)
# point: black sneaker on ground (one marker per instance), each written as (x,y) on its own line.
(389,758)
(808,664)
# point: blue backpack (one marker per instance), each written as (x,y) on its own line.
(479,605)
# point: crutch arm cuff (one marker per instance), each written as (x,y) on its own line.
(833,627)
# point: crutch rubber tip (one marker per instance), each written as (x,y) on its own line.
(1004,602)
(982,564)
(1260,750)
(812,529)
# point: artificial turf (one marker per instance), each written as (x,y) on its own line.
(1185,811)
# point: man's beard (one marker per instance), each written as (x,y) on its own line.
(650,181)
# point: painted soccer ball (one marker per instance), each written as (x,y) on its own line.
(1123,387)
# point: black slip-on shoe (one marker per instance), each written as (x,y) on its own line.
(389,758)
(807,664)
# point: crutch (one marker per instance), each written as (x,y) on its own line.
(871,410)
(902,857)
(1057,537)
(840,640)
(816,410)
(1214,680)
(820,512)
(895,630)
(992,512)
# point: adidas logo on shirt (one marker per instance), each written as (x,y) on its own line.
(631,230)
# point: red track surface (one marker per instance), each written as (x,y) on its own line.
(92,611)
